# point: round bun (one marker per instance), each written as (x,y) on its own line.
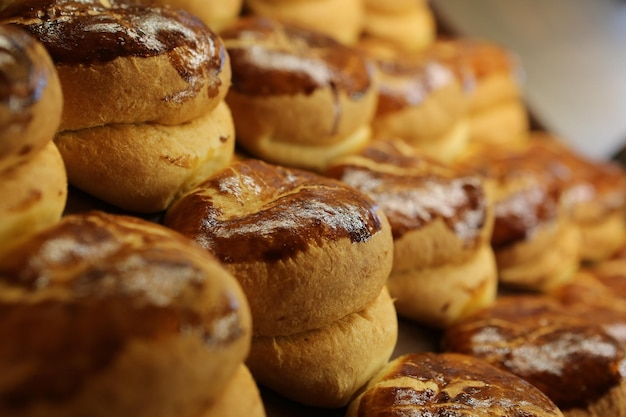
(169,68)
(339,19)
(240,397)
(133,311)
(298,97)
(34,193)
(408,25)
(492,77)
(31,99)
(216,14)
(571,359)
(326,367)
(149,165)
(441,222)
(429,384)
(419,100)
(536,243)
(308,250)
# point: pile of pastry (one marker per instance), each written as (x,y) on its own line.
(274,184)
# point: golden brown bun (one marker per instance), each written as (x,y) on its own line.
(441,222)
(298,97)
(117,310)
(34,193)
(308,250)
(216,14)
(447,384)
(31,99)
(169,69)
(411,27)
(327,366)
(419,101)
(594,194)
(340,19)
(537,246)
(571,359)
(492,78)
(145,167)
(240,398)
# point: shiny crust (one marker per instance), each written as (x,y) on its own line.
(30,98)
(298,97)
(326,367)
(170,68)
(240,398)
(124,300)
(571,359)
(419,100)
(34,193)
(340,19)
(307,250)
(145,167)
(428,384)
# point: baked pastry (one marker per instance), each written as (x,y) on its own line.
(312,256)
(298,98)
(493,79)
(339,19)
(447,384)
(575,362)
(33,181)
(441,220)
(410,25)
(240,398)
(144,117)
(216,14)
(116,310)
(535,241)
(307,250)
(594,193)
(328,366)
(419,100)
(30,97)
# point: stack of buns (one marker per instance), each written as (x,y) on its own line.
(33,181)
(144,117)
(313,256)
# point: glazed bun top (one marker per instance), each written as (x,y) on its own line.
(272,58)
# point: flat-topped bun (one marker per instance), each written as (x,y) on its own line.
(125,63)
(30,96)
(441,220)
(447,384)
(308,250)
(575,362)
(102,312)
(299,98)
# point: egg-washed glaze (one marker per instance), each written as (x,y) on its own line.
(91,32)
(414,190)
(571,359)
(76,295)
(429,384)
(272,58)
(254,211)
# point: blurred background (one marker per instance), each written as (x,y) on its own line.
(574,58)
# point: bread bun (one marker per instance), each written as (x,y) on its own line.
(145,167)
(116,310)
(447,384)
(441,222)
(123,63)
(34,193)
(240,397)
(307,250)
(326,367)
(339,19)
(216,14)
(493,78)
(419,101)
(30,99)
(299,98)
(571,359)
